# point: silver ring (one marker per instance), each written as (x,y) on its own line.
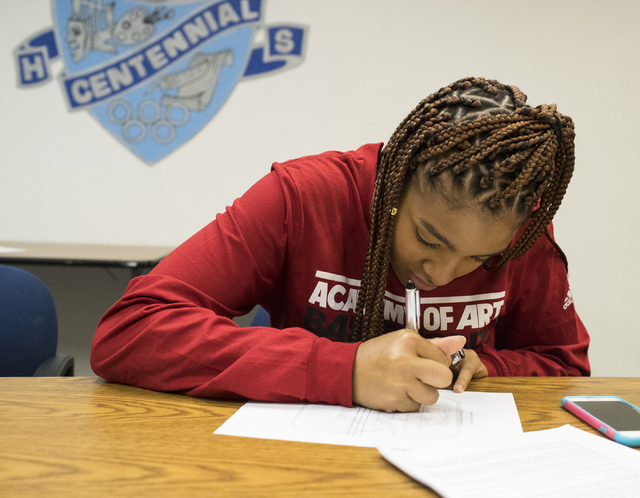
(157,137)
(132,139)
(112,110)
(179,106)
(143,105)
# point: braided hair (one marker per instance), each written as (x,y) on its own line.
(504,154)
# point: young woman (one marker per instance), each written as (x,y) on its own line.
(460,201)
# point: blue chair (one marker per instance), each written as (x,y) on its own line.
(28,328)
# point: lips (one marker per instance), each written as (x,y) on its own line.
(420,285)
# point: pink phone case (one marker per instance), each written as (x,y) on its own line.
(606,429)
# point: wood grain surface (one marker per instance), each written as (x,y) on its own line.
(83,437)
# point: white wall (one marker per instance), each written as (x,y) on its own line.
(368,62)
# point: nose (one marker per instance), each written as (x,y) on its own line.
(442,270)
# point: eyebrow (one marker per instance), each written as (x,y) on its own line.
(432,230)
(438,235)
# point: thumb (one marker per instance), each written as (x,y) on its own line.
(449,345)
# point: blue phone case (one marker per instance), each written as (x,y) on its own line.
(607,430)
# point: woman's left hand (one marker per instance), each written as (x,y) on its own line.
(471,368)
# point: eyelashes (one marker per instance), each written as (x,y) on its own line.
(480,260)
(423,242)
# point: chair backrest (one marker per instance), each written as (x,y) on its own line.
(28,322)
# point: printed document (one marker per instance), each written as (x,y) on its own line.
(562,462)
(455,415)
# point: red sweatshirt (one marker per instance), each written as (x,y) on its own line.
(295,243)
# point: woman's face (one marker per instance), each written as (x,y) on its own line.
(433,243)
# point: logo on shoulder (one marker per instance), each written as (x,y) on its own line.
(155,72)
(568,301)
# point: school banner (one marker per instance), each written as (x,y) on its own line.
(155,72)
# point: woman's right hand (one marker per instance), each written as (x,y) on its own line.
(401,370)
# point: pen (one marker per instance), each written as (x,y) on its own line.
(456,358)
(412,311)
(412,306)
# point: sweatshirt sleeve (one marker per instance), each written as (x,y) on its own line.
(542,334)
(173,329)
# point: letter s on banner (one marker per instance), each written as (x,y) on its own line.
(284,49)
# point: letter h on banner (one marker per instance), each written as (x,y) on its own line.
(33,57)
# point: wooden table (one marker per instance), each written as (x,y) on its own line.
(82,437)
(137,258)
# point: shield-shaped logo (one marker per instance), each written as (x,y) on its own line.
(155,72)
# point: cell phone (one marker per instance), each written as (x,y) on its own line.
(615,417)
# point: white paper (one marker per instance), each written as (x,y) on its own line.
(7,250)
(562,462)
(453,416)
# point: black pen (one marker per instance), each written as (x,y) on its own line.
(456,358)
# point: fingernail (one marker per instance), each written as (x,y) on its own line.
(458,388)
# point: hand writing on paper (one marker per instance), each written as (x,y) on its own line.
(470,368)
(401,370)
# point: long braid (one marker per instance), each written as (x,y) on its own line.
(508,155)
